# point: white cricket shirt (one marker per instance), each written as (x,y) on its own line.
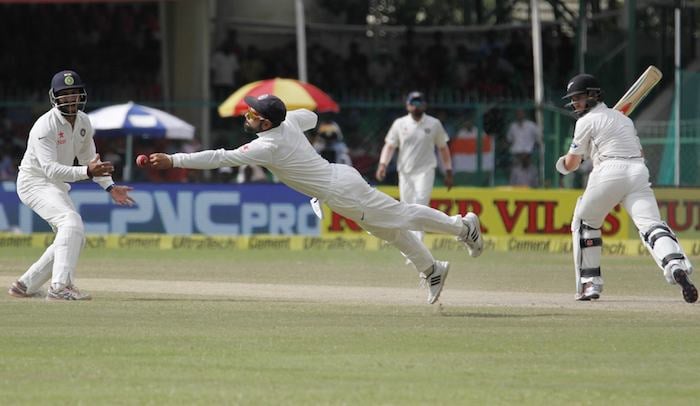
(416,141)
(53,145)
(523,136)
(284,150)
(605,133)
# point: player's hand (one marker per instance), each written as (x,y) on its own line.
(381,172)
(120,194)
(449,181)
(561,165)
(99,168)
(159,160)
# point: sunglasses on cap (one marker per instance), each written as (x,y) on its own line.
(252,115)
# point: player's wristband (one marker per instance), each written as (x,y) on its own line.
(561,167)
(109,188)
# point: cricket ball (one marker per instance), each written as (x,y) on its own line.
(142,161)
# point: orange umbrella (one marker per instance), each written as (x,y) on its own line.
(294,93)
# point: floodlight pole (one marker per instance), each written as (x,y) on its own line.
(677,100)
(539,87)
(301,40)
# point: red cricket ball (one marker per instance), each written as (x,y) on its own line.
(142,160)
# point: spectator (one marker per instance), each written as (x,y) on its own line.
(523,173)
(224,66)
(523,136)
(328,142)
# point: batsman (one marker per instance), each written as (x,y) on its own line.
(619,176)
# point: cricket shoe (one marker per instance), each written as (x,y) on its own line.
(19,289)
(471,235)
(690,293)
(436,280)
(67,293)
(590,291)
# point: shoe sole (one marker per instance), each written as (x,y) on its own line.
(60,299)
(690,293)
(475,252)
(14,292)
(594,296)
(444,277)
(18,295)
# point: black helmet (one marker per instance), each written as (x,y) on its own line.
(67,80)
(584,84)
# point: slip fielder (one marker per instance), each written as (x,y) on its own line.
(56,139)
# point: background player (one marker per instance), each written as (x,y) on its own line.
(283,148)
(416,135)
(609,139)
(56,139)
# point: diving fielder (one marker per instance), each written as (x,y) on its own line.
(283,148)
(609,139)
(56,139)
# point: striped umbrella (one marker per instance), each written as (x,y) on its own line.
(294,93)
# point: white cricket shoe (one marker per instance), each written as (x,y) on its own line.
(436,280)
(590,291)
(471,235)
(67,293)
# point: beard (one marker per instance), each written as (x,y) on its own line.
(249,128)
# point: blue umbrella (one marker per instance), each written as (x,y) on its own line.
(134,120)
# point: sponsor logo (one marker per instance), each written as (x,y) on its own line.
(61,138)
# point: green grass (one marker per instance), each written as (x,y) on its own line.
(125,348)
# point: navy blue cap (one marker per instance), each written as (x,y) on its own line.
(269,107)
(66,79)
(415,96)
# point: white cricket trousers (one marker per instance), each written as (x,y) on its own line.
(387,218)
(624,181)
(52,203)
(416,188)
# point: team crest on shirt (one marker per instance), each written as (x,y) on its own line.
(61,138)
(427,131)
(82,132)
(574,146)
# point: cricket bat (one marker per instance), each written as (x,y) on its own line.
(639,90)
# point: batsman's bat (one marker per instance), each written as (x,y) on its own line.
(639,90)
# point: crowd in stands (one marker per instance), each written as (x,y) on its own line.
(117,46)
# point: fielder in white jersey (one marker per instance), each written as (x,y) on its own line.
(416,135)
(57,138)
(609,139)
(283,148)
